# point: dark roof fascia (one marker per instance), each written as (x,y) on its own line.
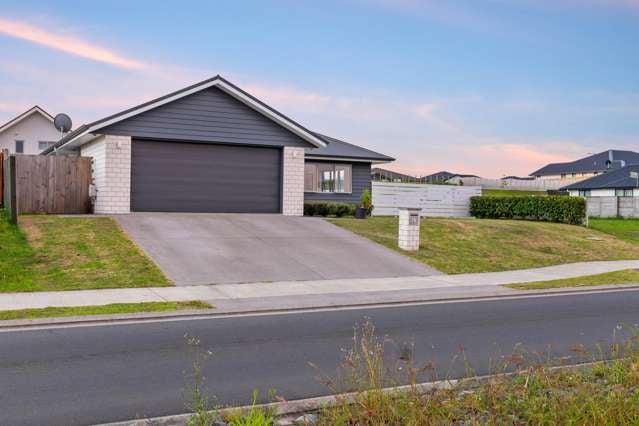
(28,112)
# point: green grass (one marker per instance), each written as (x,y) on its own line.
(50,253)
(484,245)
(627,276)
(624,229)
(510,193)
(116,308)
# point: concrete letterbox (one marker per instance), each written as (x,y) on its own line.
(408,236)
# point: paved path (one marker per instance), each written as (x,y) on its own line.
(326,292)
(206,248)
(87,375)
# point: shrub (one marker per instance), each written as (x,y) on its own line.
(365,200)
(327,208)
(553,209)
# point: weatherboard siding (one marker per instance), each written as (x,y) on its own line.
(361,175)
(210,115)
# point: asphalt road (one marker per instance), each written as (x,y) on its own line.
(87,375)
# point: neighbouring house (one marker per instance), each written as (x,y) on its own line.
(518,178)
(383,175)
(620,182)
(212,147)
(29,133)
(459,179)
(587,167)
(439,177)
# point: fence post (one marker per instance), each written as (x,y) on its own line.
(12,189)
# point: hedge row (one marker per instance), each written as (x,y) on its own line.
(553,209)
(327,208)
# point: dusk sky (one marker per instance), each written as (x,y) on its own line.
(488,87)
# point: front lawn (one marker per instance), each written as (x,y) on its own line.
(114,308)
(627,276)
(457,246)
(50,253)
(624,229)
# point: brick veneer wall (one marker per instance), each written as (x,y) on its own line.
(111,173)
(293,182)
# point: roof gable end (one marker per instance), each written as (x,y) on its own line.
(28,113)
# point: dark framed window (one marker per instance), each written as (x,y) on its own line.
(584,193)
(623,192)
(19,147)
(328,177)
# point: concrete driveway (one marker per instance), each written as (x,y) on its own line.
(196,248)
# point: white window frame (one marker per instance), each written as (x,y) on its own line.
(623,192)
(48,144)
(321,167)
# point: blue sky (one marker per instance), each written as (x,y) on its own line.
(490,87)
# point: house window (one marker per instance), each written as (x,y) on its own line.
(327,177)
(563,176)
(584,193)
(42,145)
(19,147)
(623,192)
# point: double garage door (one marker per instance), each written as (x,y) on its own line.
(198,177)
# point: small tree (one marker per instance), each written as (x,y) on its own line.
(365,200)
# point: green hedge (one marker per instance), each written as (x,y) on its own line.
(553,209)
(327,208)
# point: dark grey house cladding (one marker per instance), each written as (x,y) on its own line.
(207,116)
(212,147)
(350,163)
(360,180)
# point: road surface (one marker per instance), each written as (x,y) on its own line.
(96,374)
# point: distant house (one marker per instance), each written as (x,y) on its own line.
(439,177)
(518,178)
(620,182)
(29,133)
(588,167)
(460,179)
(383,175)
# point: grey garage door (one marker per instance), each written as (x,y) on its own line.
(197,177)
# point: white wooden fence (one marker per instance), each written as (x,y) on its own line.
(518,184)
(627,207)
(434,200)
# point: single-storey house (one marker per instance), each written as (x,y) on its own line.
(29,133)
(383,175)
(212,147)
(587,167)
(621,182)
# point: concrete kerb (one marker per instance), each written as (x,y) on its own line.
(287,411)
(103,320)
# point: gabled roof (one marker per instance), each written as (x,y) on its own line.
(86,132)
(336,148)
(443,175)
(614,179)
(611,159)
(24,115)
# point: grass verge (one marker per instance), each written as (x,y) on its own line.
(115,308)
(51,253)
(624,229)
(627,276)
(459,246)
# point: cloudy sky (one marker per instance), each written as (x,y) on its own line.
(490,87)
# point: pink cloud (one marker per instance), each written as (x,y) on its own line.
(68,44)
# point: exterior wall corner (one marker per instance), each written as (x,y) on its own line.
(293,181)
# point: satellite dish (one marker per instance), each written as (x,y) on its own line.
(62,122)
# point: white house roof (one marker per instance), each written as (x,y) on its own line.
(33,110)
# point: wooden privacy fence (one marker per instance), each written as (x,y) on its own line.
(51,184)
(433,200)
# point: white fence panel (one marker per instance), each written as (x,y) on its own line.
(433,200)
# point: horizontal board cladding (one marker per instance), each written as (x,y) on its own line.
(191,177)
(433,200)
(207,116)
(361,180)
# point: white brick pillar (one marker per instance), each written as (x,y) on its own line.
(408,238)
(293,181)
(111,171)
